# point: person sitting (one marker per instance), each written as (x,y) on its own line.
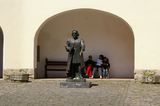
(106,67)
(89,66)
(98,66)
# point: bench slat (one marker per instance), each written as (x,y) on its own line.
(56,63)
(56,69)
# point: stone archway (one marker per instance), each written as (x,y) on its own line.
(103,33)
(1,53)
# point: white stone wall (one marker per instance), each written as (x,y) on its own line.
(20,20)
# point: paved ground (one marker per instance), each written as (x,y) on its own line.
(110,92)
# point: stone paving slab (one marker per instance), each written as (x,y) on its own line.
(102,93)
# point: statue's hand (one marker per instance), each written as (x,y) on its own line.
(66,49)
(80,53)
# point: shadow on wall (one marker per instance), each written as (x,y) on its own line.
(1,52)
(103,33)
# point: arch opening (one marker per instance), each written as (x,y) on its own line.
(1,52)
(103,33)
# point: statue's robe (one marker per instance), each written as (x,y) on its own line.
(77,57)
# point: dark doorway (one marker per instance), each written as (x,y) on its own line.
(1,53)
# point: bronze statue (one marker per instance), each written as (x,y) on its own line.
(75,47)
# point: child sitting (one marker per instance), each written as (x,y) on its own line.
(106,67)
(98,66)
(89,66)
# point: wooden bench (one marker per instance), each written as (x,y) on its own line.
(54,66)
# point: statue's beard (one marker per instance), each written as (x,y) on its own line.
(75,38)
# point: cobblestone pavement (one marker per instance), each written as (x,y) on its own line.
(109,92)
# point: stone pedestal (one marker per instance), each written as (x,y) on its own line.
(75,83)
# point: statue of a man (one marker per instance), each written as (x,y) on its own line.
(75,47)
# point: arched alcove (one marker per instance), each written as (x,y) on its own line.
(103,33)
(1,53)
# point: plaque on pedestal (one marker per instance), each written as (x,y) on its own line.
(75,83)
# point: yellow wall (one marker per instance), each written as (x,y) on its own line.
(20,20)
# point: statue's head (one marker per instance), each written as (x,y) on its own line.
(75,34)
